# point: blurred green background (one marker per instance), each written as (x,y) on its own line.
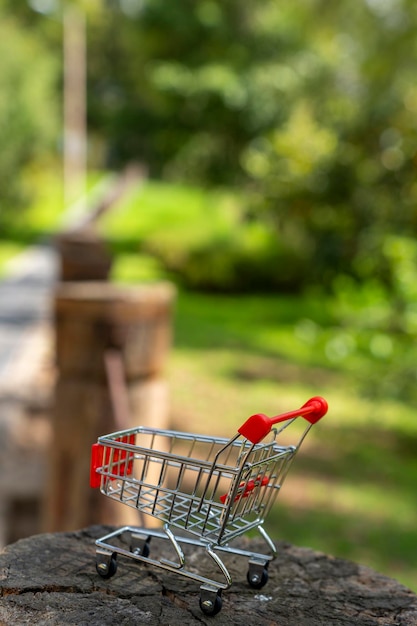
(281,144)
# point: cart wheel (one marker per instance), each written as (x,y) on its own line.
(144,551)
(107,569)
(211,607)
(139,545)
(257,579)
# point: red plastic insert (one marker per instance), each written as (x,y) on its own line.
(122,461)
(97,453)
(246,490)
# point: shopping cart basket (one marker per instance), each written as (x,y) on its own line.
(211,489)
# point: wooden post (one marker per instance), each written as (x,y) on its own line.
(111,347)
(75,119)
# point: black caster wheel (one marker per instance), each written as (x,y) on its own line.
(143,551)
(139,545)
(257,578)
(211,606)
(107,569)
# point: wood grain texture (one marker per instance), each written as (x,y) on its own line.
(50,580)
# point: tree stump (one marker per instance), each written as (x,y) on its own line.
(111,346)
(50,580)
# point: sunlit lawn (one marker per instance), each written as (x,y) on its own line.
(169,214)
(352,489)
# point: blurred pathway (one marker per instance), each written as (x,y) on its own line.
(25,340)
(25,311)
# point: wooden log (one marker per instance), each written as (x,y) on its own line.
(91,317)
(82,412)
(83,255)
(51,580)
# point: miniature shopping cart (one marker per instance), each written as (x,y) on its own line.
(210,489)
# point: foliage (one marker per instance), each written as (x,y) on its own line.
(38,219)
(383,322)
(162,231)
(342,165)
(308,108)
(28,115)
(198,237)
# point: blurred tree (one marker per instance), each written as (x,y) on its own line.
(337,175)
(28,111)
(307,107)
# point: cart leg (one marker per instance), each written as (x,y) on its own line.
(268,541)
(210,600)
(177,548)
(106,563)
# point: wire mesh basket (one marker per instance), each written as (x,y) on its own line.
(211,488)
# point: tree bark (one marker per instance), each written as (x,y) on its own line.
(50,580)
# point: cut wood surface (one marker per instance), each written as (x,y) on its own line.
(83,256)
(92,316)
(50,579)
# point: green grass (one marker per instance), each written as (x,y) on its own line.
(189,230)
(173,215)
(351,491)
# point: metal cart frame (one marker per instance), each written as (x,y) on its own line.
(211,489)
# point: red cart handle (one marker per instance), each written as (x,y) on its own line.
(258,426)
